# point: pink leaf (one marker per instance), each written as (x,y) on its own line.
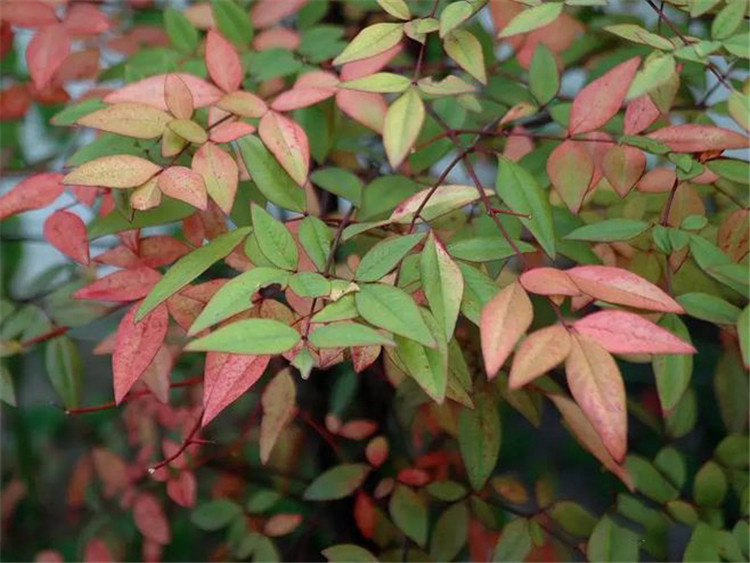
(97,551)
(227,377)
(46,52)
(300,98)
(276,38)
(570,169)
(367,108)
(67,233)
(34,192)
(151,91)
(621,332)
(85,19)
(623,166)
(288,143)
(616,285)
(538,353)
(317,79)
(695,137)
(265,13)
(658,180)
(596,384)
(371,65)
(126,285)
(220,174)
(639,114)
(182,488)
(160,250)
(503,321)
(136,346)
(177,97)
(223,62)
(185,184)
(230,131)
(598,102)
(150,519)
(548,281)
(29,13)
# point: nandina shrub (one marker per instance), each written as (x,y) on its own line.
(375,280)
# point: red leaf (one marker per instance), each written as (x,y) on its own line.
(126,285)
(596,384)
(367,108)
(223,62)
(85,19)
(97,551)
(185,184)
(413,477)
(570,169)
(231,131)
(503,321)
(67,233)
(621,332)
(182,488)
(623,167)
(227,377)
(150,519)
(136,346)
(639,114)
(265,13)
(46,52)
(34,192)
(548,281)
(288,143)
(14,102)
(616,285)
(598,102)
(658,180)
(377,451)
(220,174)
(695,137)
(29,13)
(300,98)
(151,91)
(160,250)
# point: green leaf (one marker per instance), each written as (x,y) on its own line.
(251,336)
(428,366)
(656,72)
(479,436)
(272,180)
(348,553)
(397,8)
(394,310)
(544,78)
(7,389)
(673,371)
(309,284)
(384,256)
(610,542)
(442,283)
(341,310)
(316,239)
(453,15)
(703,544)
(486,248)
(743,331)
(409,512)
(738,45)
(371,41)
(521,192)
(235,296)
(381,82)
(189,267)
(74,112)
(734,170)
(710,485)
(649,481)
(609,231)
(215,514)
(728,20)
(403,122)
(479,288)
(263,500)
(532,19)
(461,46)
(514,543)
(734,452)
(182,34)
(339,182)
(274,239)
(342,335)
(573,518)
(709,308)
(672,464)
(65,369)
(169,211)
(445,490)
(637,34)
(234,22)
(450,533)
(338,482)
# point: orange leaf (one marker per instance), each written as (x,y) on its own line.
(136,345)
(288,143)
(539,353)
(621,332)
(230,131)
(598,102)
(503,321)
(227,377)
(596,384)
(46,52)
(67,233)
(616,285)
(185,184)
(223,62)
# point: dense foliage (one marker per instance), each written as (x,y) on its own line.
(375,280)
